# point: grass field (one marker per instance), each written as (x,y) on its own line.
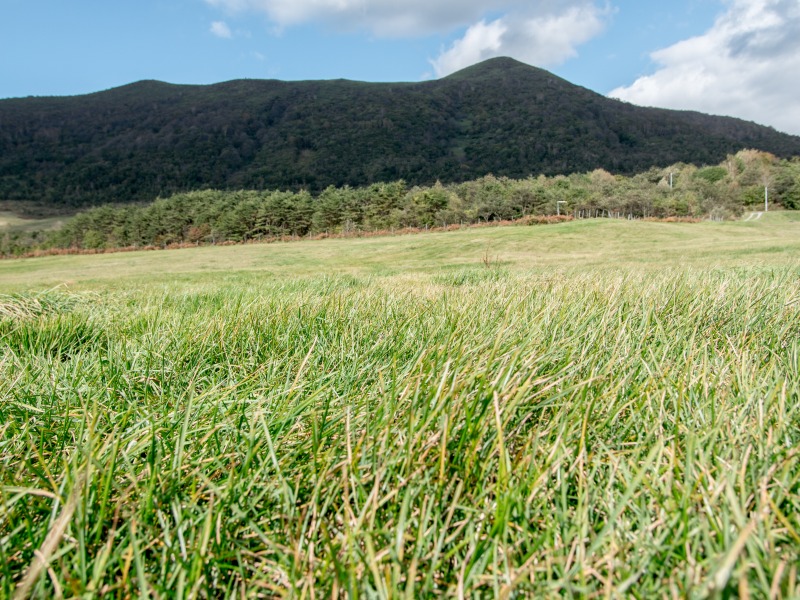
(606,409)
(10,221)
(579,245)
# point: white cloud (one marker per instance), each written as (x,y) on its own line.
(382,17)
(391,18)
(481,41)
(221,30)
(540,39)
(746,66)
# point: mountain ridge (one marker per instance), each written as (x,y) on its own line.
(150,138)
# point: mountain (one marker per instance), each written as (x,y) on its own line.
(503,117)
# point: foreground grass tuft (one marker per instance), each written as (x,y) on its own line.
(482,434)
(25,305)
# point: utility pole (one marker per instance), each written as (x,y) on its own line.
(766,198)
(670,181)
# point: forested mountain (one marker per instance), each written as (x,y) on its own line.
(147,139)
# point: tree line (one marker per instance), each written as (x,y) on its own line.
(208,217)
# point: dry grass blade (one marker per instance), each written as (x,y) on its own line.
(56,532)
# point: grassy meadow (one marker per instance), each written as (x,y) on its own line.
(11,221)
(597,408)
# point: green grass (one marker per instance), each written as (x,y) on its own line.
(391,418)
(577,245)
(10,221)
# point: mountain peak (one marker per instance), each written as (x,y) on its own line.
(493,66)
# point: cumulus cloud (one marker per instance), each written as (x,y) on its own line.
(221,30)
(746,66)
(394,18)
(546,39)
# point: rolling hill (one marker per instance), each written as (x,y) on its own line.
(149,138)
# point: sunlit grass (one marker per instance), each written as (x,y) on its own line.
(10,221)
(773,240)
(472,431)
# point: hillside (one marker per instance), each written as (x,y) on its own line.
(148,139)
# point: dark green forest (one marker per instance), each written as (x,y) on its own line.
(212,216)
(152,139)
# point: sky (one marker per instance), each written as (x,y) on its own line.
(730,57)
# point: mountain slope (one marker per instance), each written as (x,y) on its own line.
(501,116)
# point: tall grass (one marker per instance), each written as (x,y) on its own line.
(596,433)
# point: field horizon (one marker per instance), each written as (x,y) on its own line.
(589,243)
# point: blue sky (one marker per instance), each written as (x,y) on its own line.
(735,57)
